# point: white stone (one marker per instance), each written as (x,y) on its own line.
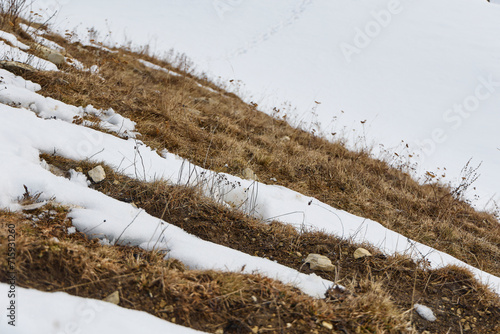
(319,262)
(49,54)
(97,174)
(113,298)
(361,252)
(425,312)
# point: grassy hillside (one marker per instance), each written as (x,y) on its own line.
(215,129)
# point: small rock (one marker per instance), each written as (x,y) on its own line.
(467,327)
(319,262)
(327,325)
(97,174)
(361,252)
(71,230)
(219,331)
(273,179)
(16,67)
(113,298)
(255,329)
(285,139)
(249,174)
(49,54)
(79,169)
(425,312)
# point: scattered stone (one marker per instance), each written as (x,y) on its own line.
(288,325)
(285,139)
(16,67)
(425,312)
(255,300)
(255,329)
(327,325)
(249,174)
(71,230)
(219,331)
(467,327)
(54,239)
(113,298)
(49,54)
(361,253)
(79,169)
(319,262)
(273,179)
(97,174)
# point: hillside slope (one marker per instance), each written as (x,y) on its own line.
(151,200)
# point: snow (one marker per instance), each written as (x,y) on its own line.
(425,312)
(18,92)
(35,34)
(10,53)
(58,312)
(13,40)
(158,68)
(401,65)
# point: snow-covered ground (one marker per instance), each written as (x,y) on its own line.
(60,313)
(424,73)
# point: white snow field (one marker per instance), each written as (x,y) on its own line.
(421,73)
(60,313)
